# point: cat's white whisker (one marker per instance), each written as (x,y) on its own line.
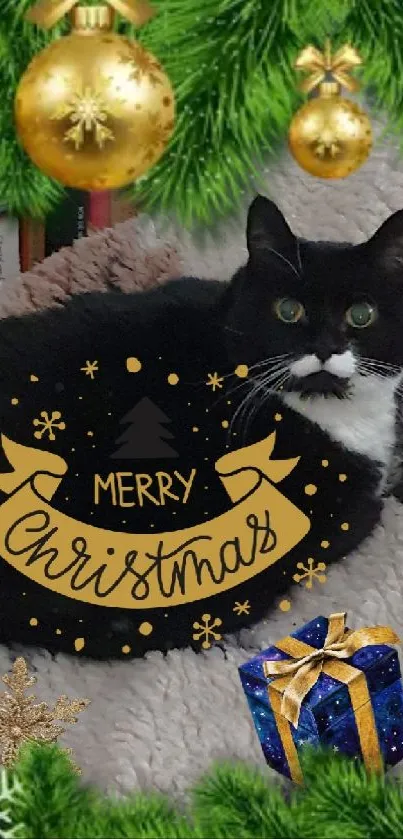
(260,384)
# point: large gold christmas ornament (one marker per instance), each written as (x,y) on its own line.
(94,110)
(330,136)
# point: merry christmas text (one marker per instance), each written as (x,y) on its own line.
(134,489)
(171,575)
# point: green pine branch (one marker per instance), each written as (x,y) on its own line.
(339,800)
(231,66)
(375,27)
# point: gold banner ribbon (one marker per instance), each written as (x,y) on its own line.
(294,679)
(147,570)
(46,13)
(321,64)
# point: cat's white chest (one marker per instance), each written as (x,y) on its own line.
(365,423)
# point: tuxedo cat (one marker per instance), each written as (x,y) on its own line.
(319,326)
(333,326)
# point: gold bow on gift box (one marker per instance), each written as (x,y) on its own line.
(294,679)
(322,65)
(46,13)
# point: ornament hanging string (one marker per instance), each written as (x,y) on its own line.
(322,65)
(46,13)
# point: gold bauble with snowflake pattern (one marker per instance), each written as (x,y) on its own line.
(330,136)
(94,110)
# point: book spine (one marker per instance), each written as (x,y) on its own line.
(121,208)
(31,243)
(99,211)
(67,222)
(9,246)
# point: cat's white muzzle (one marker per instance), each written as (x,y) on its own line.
(342,365)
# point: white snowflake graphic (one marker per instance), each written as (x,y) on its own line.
(48,424)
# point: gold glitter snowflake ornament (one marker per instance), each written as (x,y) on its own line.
(22,721)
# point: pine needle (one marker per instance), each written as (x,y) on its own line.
(339,800)
(231,66)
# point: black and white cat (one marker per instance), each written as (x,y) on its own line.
(320,327)
(334,314)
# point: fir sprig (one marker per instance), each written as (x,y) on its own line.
(231,65)
(339,799)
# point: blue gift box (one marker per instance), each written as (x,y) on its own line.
(327,716)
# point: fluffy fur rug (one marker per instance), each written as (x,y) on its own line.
(158,723)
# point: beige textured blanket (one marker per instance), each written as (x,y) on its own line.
(129,257)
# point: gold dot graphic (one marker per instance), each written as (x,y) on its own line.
(345,526)
(285,605)
(278,417)
(33,622)
(173,379)
(126,649)
(79,644)
(311,489)
(324,543)
(195,428)
(58,631)
(33,378)
(133,365)
(342,477)
(325,463)
(241,371)
(146,628)
(15,401)
(225,423)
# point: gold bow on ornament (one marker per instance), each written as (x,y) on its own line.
(308,663)
(324,64)
(46,13)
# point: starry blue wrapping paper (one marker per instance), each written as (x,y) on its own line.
(330,714)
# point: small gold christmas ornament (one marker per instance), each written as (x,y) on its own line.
(22,721)
(330,136)
(94,109)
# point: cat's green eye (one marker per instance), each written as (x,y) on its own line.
(289,310)
(361,315)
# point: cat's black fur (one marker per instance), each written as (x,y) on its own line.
(196,326)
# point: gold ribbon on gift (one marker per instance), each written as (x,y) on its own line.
(46,13)
(148,570)
(321,65)
(294,679)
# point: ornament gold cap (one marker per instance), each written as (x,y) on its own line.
(329,88)
(46,13)
(326,68)
(86,19)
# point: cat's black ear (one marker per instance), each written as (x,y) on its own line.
(387,242)
(267,230)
